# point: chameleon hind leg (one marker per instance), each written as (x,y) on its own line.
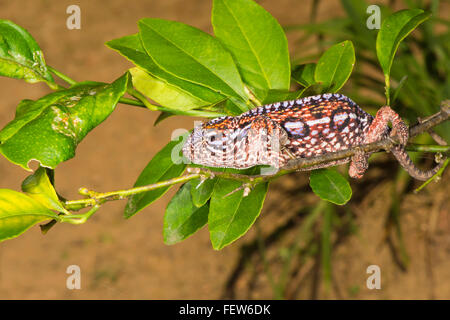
(377,131)
(399,130)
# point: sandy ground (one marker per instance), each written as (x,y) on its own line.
(126,259)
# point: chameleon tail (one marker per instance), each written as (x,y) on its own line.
(406,162)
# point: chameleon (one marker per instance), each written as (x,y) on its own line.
(276,133)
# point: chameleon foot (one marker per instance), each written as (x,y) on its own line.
(377,129)
(359,164)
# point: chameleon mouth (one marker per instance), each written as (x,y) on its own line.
(188,148)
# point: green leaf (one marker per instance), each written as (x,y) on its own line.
(304,74)
(201,191)
(164,93)
(204,113)
(131,48)
(193,55)
(20,55)
(48,130)
(162,116)
(39,187)
(335,66)
(356,26)
(230,216)
(281,95)
(160,168)
(256,41)
(18,212)
(393,30)
(183,218)
(330,185)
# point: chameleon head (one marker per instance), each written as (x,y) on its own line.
(193,143)
(205,146)
(215,144)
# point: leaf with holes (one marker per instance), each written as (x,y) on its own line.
(48,130)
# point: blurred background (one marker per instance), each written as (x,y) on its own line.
(299,248)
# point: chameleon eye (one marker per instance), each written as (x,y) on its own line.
(340,120)
(296,128)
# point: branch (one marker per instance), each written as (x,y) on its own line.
(96,198)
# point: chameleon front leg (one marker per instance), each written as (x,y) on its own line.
(358,165)
(267,141)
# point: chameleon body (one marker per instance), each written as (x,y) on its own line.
(276,133)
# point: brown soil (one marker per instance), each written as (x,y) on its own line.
(126,259)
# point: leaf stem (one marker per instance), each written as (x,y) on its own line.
(387,89)
(80,218)
(62,75)
(427,148)
(252,97)
(133,92)
(132,102)
(72,82)
(435,177)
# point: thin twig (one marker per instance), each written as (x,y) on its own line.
(61,75)
(99,198)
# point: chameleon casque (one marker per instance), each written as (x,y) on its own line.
(276,133)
